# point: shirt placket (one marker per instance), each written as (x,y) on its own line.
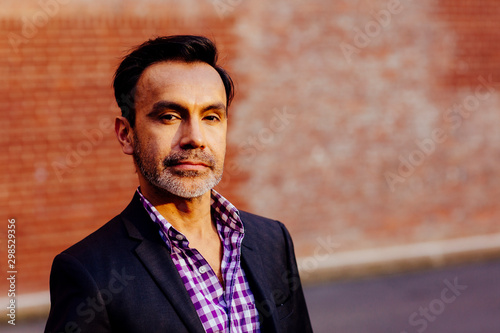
(203,271)
(231,259)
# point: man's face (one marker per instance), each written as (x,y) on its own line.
(180,128)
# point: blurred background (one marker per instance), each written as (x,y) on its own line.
(369,127)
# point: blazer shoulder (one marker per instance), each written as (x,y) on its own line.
(253,222)
(260,221)
(117,235)
(264,232)
(98,241)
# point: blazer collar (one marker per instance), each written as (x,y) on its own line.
(155,257)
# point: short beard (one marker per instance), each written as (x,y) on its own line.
(186,184)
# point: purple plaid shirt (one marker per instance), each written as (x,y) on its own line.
(220,310)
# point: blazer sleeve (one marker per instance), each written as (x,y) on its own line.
(77,304)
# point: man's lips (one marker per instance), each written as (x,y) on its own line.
(190,165)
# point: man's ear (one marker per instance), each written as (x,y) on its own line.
(125,135)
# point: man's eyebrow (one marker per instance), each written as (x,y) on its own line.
(160,106)
(216,106)
(165,105)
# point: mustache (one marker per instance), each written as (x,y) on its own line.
(194,155)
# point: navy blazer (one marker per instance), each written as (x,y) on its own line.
(121,279)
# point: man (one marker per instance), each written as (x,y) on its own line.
(180,257)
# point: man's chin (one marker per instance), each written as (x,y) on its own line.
(187,187)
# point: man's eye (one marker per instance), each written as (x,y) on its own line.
(168,117)
(212,118)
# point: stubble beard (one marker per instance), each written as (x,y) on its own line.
(186,184)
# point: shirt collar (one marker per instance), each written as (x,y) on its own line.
(224,213)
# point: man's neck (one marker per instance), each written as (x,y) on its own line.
(188,216)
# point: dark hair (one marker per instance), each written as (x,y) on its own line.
(185,48)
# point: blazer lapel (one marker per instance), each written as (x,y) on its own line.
(258,281)
(155,257)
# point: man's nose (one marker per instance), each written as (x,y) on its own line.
(192,135)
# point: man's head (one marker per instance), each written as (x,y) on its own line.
(174,123)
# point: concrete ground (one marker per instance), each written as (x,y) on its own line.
(460,299)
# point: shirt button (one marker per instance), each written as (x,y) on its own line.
(179,237)
(202,269)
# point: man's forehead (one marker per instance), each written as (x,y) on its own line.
(175,73)
(177,81)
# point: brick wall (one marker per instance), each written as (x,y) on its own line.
(64,173)
(323,116)
(361,97)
